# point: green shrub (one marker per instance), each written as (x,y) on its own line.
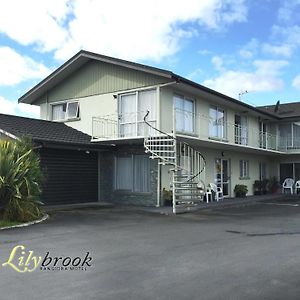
(20,181)
(240,190)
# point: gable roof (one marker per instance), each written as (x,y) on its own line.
(44,131)
(84,56)
(74,63)
(285,110)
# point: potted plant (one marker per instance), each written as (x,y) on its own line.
(258,187)
(240,190)
(273,185)
(167,197)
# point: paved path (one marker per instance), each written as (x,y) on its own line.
(250,252)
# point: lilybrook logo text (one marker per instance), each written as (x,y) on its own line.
(23,260)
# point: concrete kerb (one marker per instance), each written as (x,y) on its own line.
(44,218)
(64,207)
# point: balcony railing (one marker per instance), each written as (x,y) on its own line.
(219,129)
(118,126)
(131,125)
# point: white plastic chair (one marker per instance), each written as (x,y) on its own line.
(209,195)
(218,191)
(288,185)
(297,186)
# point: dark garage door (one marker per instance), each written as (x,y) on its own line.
(70,176)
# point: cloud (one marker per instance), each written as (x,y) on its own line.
(34,22)
(289,11)
(129,29)
(278,50)
(217,61)
(296,82)
(264,78)
(285,40)
(13,108)
(149,31)
(16,68)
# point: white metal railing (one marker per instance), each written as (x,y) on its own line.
(241,135)
(206,128)
(131,125)
(115,126)
(289,142)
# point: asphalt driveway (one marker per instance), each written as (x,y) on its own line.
(235,253)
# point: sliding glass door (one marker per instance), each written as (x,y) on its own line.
(132,109)
(222,175)
(241,130)
(217,122)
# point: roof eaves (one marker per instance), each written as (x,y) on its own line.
(88,145)
(10,135)
(210,91)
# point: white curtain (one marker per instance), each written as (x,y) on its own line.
(123,174)
(127,112)
(188,107)
(141,173)
(216,122)
(58,112)
(72,109)
(213,128)
(179,108)
(132,173)
(146,101)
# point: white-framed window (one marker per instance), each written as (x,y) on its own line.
(132,109)
(65,111)
(244,168)
(132,173)
(217,122)
(185,114)
(262,171)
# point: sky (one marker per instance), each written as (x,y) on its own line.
(231,46)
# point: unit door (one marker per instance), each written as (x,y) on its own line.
(222,175)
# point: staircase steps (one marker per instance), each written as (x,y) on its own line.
(187,165)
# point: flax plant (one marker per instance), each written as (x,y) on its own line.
(20,181)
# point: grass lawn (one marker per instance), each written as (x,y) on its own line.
(4,223)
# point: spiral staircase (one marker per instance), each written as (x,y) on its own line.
(186,163)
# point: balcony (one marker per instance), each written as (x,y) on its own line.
(119,126)
(219,130)
(189,125)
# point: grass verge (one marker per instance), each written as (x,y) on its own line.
(4,223)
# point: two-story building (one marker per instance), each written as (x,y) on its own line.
(193,134)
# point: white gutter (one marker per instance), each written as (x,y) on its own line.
(12,136)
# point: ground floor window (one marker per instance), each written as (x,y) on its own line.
(244,169)
(289,170)
(132,173)
(262,171)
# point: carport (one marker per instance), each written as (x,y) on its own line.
(70,162)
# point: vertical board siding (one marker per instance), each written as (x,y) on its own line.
(70,176)
(96,78)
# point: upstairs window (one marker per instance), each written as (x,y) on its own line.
(185,109)
(65,111)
